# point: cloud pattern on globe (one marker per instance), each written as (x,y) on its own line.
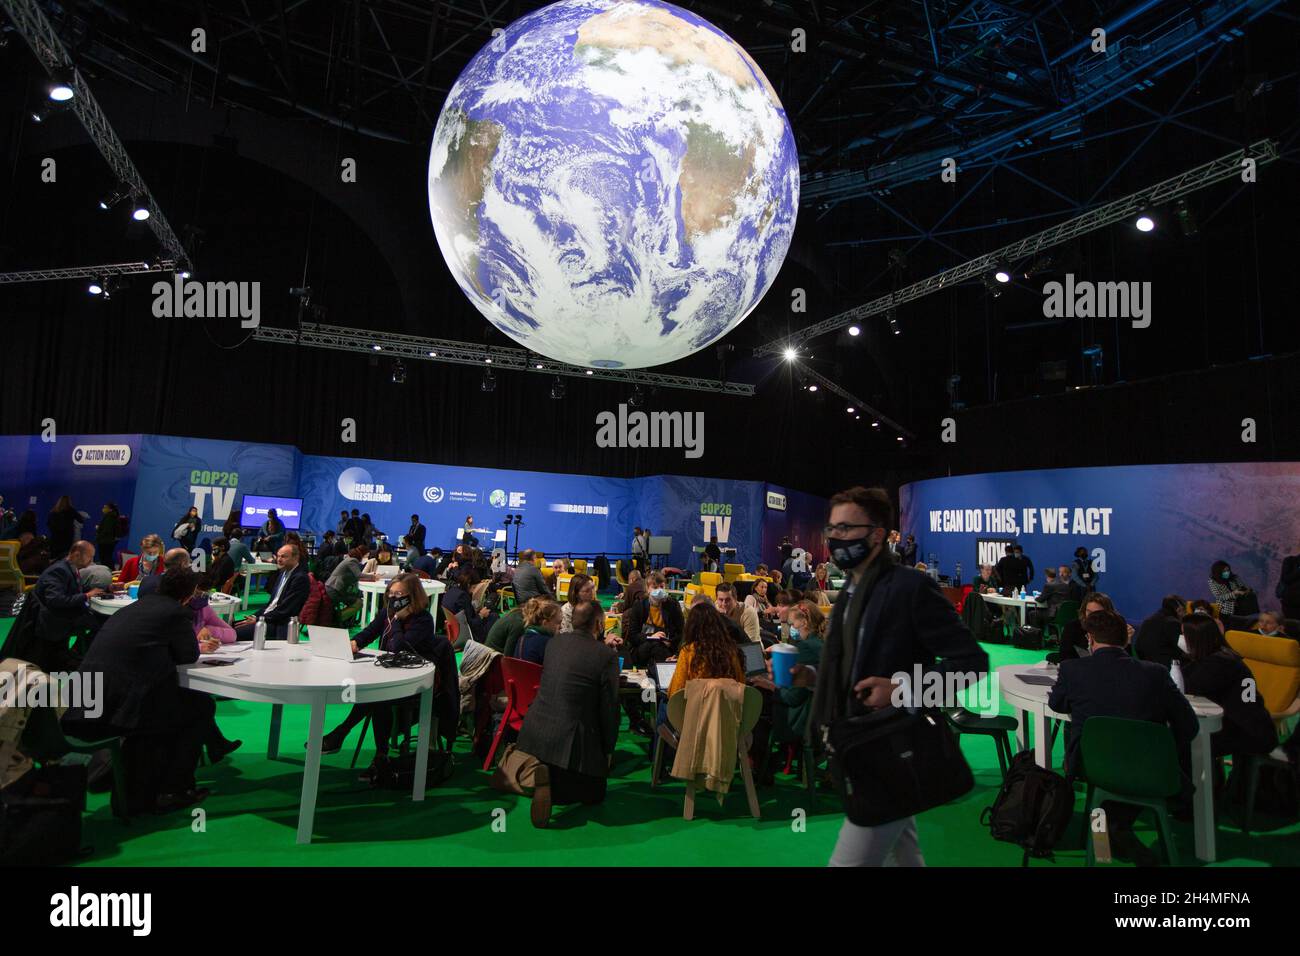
(613,183)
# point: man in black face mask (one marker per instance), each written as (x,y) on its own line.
(1083,572)
(886,620)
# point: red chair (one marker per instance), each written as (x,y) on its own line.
(453,625)
(965,593)
(522,678)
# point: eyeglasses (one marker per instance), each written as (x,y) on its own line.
(839,530)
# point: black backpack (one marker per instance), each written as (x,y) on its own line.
(1033,808)
(1028,638)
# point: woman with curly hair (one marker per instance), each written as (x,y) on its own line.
(707,650)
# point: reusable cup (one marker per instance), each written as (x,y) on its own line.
(133,591)
(784,657)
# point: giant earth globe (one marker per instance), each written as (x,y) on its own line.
(613,183)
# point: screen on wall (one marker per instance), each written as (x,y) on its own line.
(253,511)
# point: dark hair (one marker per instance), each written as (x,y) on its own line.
(874,501)
(576,584)
(714,653)
(1217,568)
(584,615)
(1172,605)
(414,590)
(1106,627)
(1202,606)
(221,543)
(359,552)
(1096,597)
(177,583)
(725,587)
(1202,636)
(783,597)
(1049,573)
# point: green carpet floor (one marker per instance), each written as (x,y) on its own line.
(251,816)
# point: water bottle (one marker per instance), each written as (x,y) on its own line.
(259,635)
(293,630)
(1176,672)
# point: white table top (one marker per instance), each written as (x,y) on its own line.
(257,567)
(274,676)
(431,587)
(1034,696)
(1027,599)
(104,604)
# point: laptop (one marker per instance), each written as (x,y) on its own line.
(385,572)
(664,675)
(754,660)
(335,643)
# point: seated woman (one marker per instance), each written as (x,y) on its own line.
(383,558)
(148,561)
(404,624)
(757,599)
(1215,670)
(821,579)
(541,623)
(456,597)
(581,590)
(652,627)
(707,650)
(793,705)
(211,632)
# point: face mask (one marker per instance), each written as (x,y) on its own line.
(658,594)
(848,553)
(794,633)
(397,603)
(1182,645)
(1225,575)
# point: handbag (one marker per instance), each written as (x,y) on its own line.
(895,762)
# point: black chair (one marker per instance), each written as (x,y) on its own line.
(963,721)
(44,740)
(1255,763)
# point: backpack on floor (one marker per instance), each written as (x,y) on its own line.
(40,817)
(1033,808)
(1028,638)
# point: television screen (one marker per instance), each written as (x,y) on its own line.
(253,511)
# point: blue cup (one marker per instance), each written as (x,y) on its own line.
(620,663)
(784,657)
(133,591)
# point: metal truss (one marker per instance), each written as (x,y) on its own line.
(461,353)
(858,404)
(1219,170)
(88,272)
(31,22)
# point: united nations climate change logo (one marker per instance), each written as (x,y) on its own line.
(497,499)
(433,494)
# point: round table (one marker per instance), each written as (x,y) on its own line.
(1019,603)
(1031,701)
(372,591)
(223,604)
(289,674)
(250,570)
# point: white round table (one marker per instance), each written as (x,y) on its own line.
(1019,603)
(223,604)
(275,677)
(372,591)
(1031,701)
(250,570)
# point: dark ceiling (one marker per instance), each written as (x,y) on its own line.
(240,145)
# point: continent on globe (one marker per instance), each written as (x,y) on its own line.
(614,185)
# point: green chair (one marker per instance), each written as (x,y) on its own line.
(1068,611)
(1000,728)
(44,740)
(1131,761)
(1254,764)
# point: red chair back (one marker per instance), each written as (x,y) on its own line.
(453,625)
(522,679)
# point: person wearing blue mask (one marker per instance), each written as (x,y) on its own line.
(652,627)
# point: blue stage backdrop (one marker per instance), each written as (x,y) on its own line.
(693,509)
(214,476)
(1153,530)
(93,469)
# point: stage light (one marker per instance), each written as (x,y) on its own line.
(790,355)
(377,347)
(1002,275)
(812,388)
(1144,223)
(140,213)
(399,373)
(875,424)
(857,418)
(489,383)
(38,116)
(488,361)
(854,330)
(850,409)
(433,355)
(899,438)
(61,91)
(893,322)
(557,389)
(95,288)
(590,372)
(539,365)
(185,273)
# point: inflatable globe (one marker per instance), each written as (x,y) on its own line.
(613,183)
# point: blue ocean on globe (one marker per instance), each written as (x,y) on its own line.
(613,183)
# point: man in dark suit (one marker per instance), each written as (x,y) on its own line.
(528,581)
(137,652)
(355,529)
(415,534)
(572,724)
(1157,638)
(1055,593)
(1111,683)
(291,592)
(64,607)
(1015,570)
(1077,591)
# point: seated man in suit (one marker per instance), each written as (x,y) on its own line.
(137,651)
(572,725)
(528,581)
(291,592)
(1111,683)
(64,608)
(1055,593)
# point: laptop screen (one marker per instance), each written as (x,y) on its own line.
(664,674)
(754,662)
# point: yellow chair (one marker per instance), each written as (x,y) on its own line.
(11,575)
(580,566)
(709,581)
(732,572)
(1275,664)
(689,592)
(619,576)
(562,586)
(539,559)
(1214,610)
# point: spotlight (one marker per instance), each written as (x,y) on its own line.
(61,90)
(850,409)
(857,418)
(489,383)
(433,355)
(185,273)
(95,288)
(875,424)
(790,355)
(1002,275)
(38,116)
(899,438)
(590,372)
(1144,223)
(812,388)
(557,389)
(854,330)
(488,361)
(103,288)
(140,213)
(539,365)
(377,348)
(399,373)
